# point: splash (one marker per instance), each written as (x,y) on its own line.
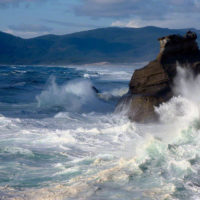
(186,84)
(113,94)
(185,106)
(91,156)
(76,95)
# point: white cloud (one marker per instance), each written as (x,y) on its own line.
(28,30)
(173,21)
(25,34)
(131,24)
(137,13)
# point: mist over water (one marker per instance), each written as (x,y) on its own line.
(59,139)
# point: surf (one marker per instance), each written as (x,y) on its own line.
(80,149)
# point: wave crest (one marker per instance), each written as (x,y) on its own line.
(76,95)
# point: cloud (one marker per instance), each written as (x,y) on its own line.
(176,20)
(131,23)
(119,8)
(28,30)
(4,3)
(7,3)
(22,33)
(145,9)
(146,12)
(70,24)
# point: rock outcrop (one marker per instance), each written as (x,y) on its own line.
(152,84)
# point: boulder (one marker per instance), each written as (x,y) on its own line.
(152,84)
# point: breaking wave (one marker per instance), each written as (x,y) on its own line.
(113,94)
(91,155)
(76,95)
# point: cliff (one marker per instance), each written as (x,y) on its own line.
(152,84)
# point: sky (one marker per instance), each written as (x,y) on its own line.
(31,18)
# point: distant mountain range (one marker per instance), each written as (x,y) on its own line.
(113,45)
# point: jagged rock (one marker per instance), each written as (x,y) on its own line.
(152,84)
(95,89)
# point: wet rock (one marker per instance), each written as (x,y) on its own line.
(152,84)
(95,89)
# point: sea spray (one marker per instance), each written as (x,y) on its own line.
(93,155)
(113,94)
(186,84)
(76,95)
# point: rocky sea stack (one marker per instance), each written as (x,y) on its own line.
(152,84)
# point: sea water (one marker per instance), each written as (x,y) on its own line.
(61,139)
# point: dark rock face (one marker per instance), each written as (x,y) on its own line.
(152,84)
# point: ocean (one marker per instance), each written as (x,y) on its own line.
(62,139)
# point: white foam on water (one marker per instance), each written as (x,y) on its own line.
(89,75)
(74,96)
(110,72)
(115,93)
(109,157)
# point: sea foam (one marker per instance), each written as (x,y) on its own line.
(94,155)
(73,96)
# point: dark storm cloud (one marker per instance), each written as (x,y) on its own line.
(30,28)
(144,9)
